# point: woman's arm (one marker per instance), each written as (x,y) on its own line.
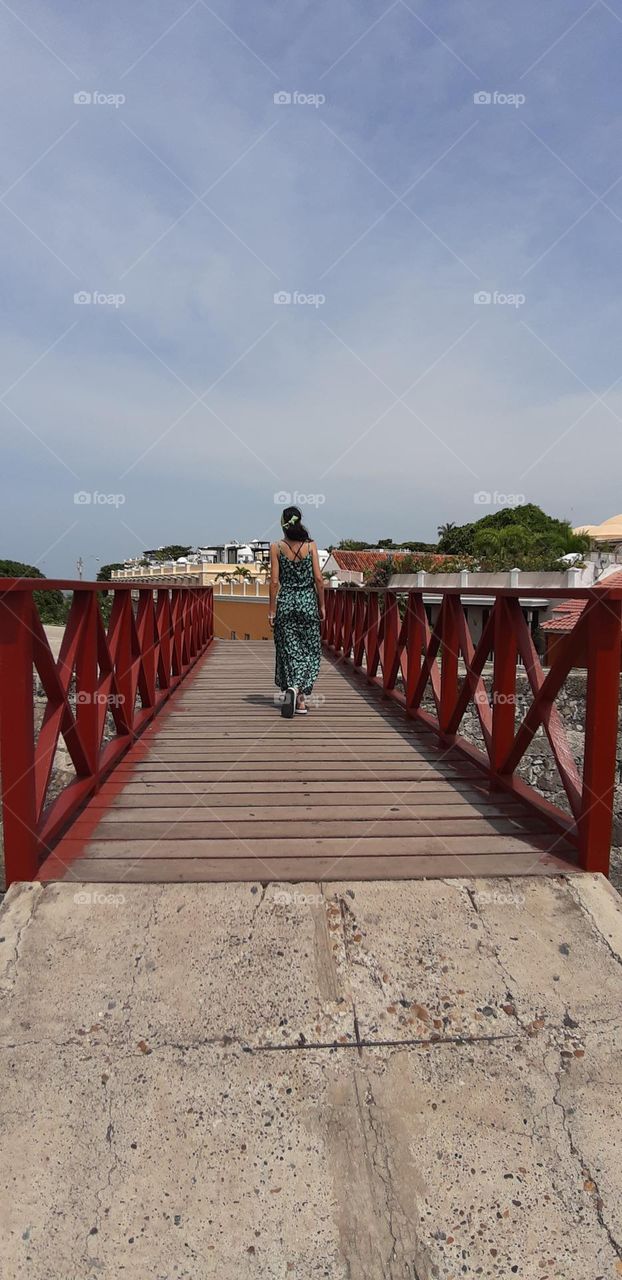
(274,582)
(319,580)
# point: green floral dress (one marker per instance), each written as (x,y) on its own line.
(297,625)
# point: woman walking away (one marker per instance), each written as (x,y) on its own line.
(296,614)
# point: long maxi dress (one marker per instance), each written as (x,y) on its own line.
(297,625)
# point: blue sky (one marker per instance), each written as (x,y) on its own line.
(394,398)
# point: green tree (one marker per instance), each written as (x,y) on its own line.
(174,552)
(522,537)
(105,572)
(52,606)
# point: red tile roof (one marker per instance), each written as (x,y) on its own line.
(567,613)
(359,561)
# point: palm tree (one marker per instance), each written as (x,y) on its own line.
(444,529)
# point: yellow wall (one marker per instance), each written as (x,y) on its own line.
(247,619)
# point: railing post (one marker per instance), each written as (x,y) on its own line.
(604,631)
(414,643)
(145,626)
(450,642)
(121,621)
(391,632)
(505,653)
(348,606)
(372,652)
(17,737)
(87,706)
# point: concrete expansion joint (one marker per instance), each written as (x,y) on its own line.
(378,1157)
(95,1227)
(360,1043)
(256,908)
(508,978)
(34,893)
(589,1179)
(585,911)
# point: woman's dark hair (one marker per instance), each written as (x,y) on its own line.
(292,526)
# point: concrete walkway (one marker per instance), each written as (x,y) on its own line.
(366,1080)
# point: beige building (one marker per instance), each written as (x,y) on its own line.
(609,531)
(241,618)
(219,576)
(240,604)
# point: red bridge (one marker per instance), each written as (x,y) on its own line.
(184,769)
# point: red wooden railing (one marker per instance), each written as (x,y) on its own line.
(129,668)
(386,635)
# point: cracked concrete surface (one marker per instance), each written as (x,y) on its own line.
(353,1081)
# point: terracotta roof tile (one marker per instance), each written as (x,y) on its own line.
(567,613)
(359,561)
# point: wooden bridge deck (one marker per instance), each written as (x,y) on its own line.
(220,787)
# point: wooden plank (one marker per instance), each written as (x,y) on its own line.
(143,807)
(333,846)
(228,786)
(186,825)
(314,869)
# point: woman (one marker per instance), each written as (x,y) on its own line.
(297,579)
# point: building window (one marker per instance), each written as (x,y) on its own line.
(247,635)
(233,635)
